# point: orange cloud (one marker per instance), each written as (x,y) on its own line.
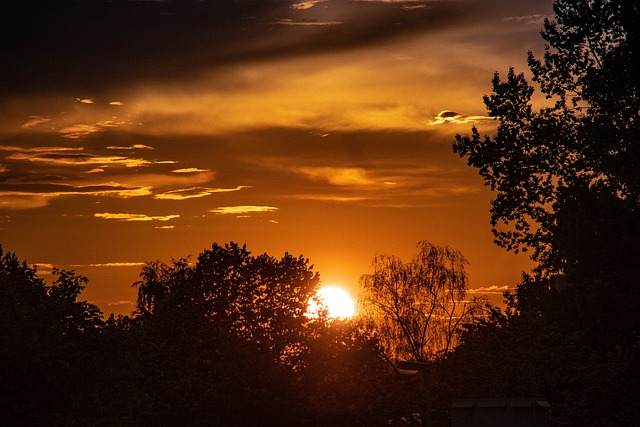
(304,5)
(239,210)
(132,147)
(34,121)
(195,192)
(111,264)
(490,290)
(447,116)
(134,217)
(306,22)
(535,19)
(36,196)
(84,100)
(338,176)
(190,170)
(38,149)
(81,160)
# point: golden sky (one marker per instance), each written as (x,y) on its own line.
(142,130)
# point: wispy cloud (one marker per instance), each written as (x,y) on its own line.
(82,130)
(111,264)
(131,147)
(55,190)
(33,196)
(118,303)
(447,116)
(190,170)
(413,6)
(72,171)
(44,268)
(305,22)
(330,198)
(338,176)
(536,19)
(490,290)
(61,174)
(304,5)
(135,217)
(79,130)
(241,210)
(29,196)
(84,159)
(166,181)
(38,149)
(195,192)
(34,121)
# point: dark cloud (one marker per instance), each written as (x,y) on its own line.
(90,46)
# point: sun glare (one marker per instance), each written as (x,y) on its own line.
(338,303)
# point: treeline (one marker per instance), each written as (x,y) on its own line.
(222,342)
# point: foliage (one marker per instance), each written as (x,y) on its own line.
(347,381)
(585,144)
(566,176)
(416,308)
(544,345)
(567,186)
(222,342)
(258,299)
(46,337)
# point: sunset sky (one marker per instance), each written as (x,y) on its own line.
(140,130)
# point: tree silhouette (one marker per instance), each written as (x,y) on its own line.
(584,147)
(47,345)
(416,308)
(566,177)
(567,186)
(230,335)
(348,382)
(223,341)
(258,299)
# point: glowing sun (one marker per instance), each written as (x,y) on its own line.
(337,302)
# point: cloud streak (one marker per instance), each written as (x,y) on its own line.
(195,192)
(447,116)
(111,264)
(30,196)
(304,5)
(173,44)
(242,210)
(307,23)
(338,176)
(131,147)
(490,290)
(134,217)
(84,159)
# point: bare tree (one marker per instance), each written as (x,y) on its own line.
(416,308)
